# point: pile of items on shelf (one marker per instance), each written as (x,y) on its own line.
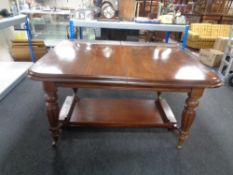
(211,39)
(213,56)
(4,13)
(166,12)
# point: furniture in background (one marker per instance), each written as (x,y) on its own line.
(217,19)
(213,6)
(221,43)
(131,25)
(123,66)
(213,57)
(15,71)
(20,49)
(147,8)
(226,67)
(150,8)
(210,57)
(214,11)
(49,25)
(153,9)
(127,9)
(204,35)
(11,21)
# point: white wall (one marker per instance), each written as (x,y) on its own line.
(5,36)
(4,4)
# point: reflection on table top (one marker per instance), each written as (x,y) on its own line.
(123,63)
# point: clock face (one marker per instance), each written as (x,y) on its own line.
(108,11)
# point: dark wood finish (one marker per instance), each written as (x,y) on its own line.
(189,114)
(70,111)
(121,66)
(166,111)
(212,6)
(117,113)
(147,8)
(52,110)
(214,11)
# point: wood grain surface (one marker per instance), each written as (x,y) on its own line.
(118,65)
(117,113)
(123,65)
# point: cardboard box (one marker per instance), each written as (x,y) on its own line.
(211,57)
(221,43)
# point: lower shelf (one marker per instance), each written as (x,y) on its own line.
(117,113)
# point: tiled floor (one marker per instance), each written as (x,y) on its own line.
(11,73)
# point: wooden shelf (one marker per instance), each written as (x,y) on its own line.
(117,113)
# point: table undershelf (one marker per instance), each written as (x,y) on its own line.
(117,113)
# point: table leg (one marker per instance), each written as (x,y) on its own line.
(52,110)
(189,114)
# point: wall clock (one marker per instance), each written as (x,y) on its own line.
(107,10)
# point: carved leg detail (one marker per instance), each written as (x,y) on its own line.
(52,110)
(189,114)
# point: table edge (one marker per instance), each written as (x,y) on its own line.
(129,81)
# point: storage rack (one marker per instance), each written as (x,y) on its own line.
(226,67)
(129,25)
(58,27)
(12,21)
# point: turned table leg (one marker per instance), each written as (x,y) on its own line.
(189,114)
(52,110)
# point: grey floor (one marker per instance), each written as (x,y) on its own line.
(25,141)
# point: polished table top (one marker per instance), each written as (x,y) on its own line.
(120,63)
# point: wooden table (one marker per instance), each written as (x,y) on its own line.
(118,65)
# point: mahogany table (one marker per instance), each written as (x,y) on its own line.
(118,65)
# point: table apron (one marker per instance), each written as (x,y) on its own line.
(123,87)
